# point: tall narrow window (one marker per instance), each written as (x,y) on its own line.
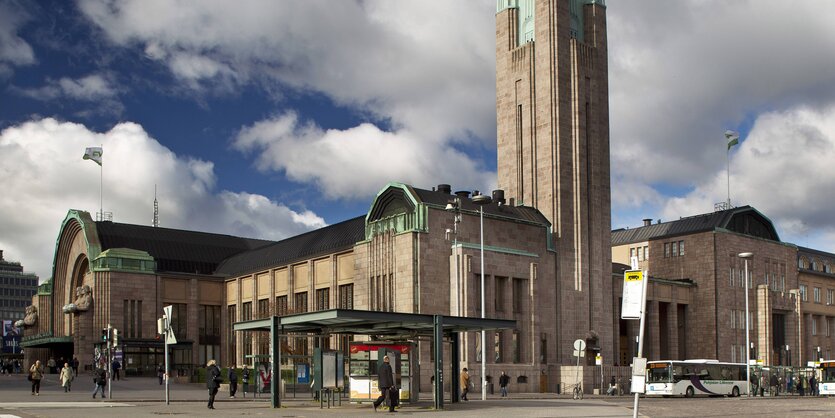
(263,308)
(179,320)
(346,296)
(281,307)
(517,347)
(666,249)
(231,317)
(675,249)
(322,299)
(208,323)
(497,347)
(501,282)
(301,302)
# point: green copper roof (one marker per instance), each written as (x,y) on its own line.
(124,259)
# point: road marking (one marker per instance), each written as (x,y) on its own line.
(25,405)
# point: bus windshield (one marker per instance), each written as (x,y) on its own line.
(659,373)
(828,374)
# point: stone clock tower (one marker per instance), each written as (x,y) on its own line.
(552,113)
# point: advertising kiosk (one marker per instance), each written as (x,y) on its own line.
(367,357)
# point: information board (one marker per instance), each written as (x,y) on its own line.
(633,294)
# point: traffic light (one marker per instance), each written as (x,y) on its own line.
(104,334)
(115,337)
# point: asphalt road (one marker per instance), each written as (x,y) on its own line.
(144,397)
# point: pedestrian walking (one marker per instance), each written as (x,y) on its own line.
(465,384)
(775,385)
(66,378)
(35,376)
(245,379)
(100,379)
(763,384)
(503,381)
(51,364)
(233,381)
(813,386)
(385,381)
(74,365)
(213,380)
(160,373)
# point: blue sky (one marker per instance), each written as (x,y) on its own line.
(260,119)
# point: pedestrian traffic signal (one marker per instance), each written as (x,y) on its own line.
(115,337)
(104,334)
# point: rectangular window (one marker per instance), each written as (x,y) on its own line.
(346,296)
(830,297)
(208,321)
(519,295)
(497,347)
(631,253)
(826,322)
(681,248)
(501,282)
(814,325)
(322,299)
(231,352)
(132,319)
(646,252)
(263,308)
(517,347)
(246,311)
(817,294)
(281,307)
(301,302)
(179,320)
(666,249)
(674,249)
(733,353)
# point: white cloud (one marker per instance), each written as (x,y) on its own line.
(14,51)
(41,165)
(428,71)
(98,92)
(785,169)
(356,162)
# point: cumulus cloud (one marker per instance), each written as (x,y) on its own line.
(14,51)
(406,63)
(785,169)
(355,162)
(88,88)
(41,165)
(681,73)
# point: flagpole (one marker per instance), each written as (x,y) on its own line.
(101,188)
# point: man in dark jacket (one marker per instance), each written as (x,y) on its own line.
(503,381)
(100,380)
(385,380)
(212,381)
(233,381)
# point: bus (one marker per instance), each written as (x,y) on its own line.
(827,381)
(695,377)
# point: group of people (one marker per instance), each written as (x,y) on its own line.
(9,366)
(774,384)
(67,374)
(214,379)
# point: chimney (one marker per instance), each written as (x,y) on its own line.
(498,197)
(1,255)
(463,194)
(647,221)
(445,188)
(512,202)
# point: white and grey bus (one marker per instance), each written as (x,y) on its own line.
(827,383)
(695,377)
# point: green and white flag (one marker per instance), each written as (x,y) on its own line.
(733,138)
(93,153)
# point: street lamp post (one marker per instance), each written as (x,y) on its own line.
(482,200)
(746,256)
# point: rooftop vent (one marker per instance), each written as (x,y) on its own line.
(445,188)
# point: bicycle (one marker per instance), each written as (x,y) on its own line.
(576,391)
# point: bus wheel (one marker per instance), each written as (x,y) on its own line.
(735,392)
(689,392)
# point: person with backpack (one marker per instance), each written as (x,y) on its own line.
(233,381)
(245,379)
(100,379)
(213,380)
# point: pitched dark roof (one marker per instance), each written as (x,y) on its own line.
(325,240)
(525,213)
(176,250)
(744,220)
